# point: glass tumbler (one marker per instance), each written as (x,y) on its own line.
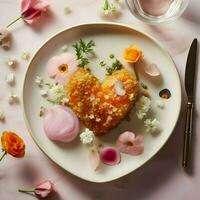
(157,11)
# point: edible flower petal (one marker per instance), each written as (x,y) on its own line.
(31,10)
(94,158)
(152,70)
(151,125)
(130,144)
(87,137)
(119,88)
(132,54)
(110,155)
(60,68)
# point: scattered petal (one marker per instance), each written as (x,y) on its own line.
(64,48)
(160,104)
(2,116)
(67,10)
(12,62)
(165,94)
(119,88)
(13,98)
(39,81)
(151,125)
(130,144)
(110,155)
(43,93)
(94,158)
(152,69)
(5,38)
(10,79)
(25,55)
(42,111)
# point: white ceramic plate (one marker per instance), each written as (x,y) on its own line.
(109,38)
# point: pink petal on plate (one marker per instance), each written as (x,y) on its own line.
(152,70)
(61,78)
(110,156)
(130,144)
(52,66)
(94,158)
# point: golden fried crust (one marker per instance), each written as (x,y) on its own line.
(97,105)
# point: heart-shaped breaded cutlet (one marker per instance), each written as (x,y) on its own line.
(98,105)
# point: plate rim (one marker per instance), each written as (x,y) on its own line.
(155,41)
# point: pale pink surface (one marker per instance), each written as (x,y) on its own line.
(56,61)
(130,144)
(31,10)
(61,124)
(162,178)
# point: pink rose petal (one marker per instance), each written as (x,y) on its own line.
(110,156)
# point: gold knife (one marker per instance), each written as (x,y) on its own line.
(189,87)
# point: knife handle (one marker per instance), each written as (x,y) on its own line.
(187,134)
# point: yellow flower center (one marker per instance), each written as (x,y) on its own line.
(63,68)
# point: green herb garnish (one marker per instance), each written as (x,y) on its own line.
(82,49)
(144,86)
(102,63)
(117,65)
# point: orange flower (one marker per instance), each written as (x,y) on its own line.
(132,54)
(12,144)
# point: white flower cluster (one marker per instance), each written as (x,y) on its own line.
(87,137)
(142,107)
(53,93)
(151,125)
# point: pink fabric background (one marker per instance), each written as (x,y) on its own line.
(162,177)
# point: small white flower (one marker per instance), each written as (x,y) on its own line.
(12,98)
(2,116)
(43,93)
(64,101)
(87,137)
(25,55)
(56,94)
(142,107)
(151,125)
(64,48)
(119,88)
(10,79)
(160,104)
(39,81)
(12,62)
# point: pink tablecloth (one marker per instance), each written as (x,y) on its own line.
(161,178)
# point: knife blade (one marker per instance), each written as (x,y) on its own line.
(190,70)
(189,87)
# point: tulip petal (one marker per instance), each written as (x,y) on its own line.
(152,70)
(94,158)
